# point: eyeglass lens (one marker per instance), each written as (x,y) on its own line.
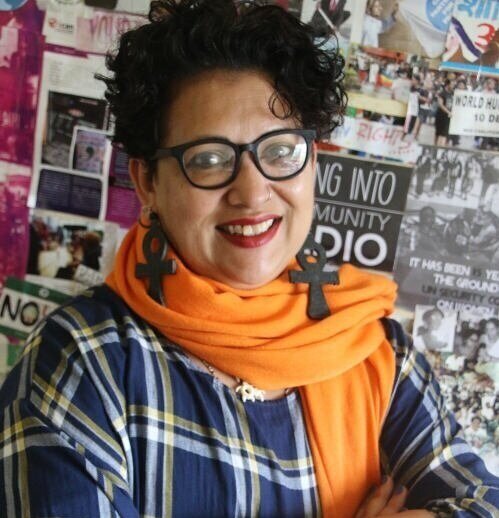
(278,156)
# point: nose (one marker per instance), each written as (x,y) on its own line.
(250,188)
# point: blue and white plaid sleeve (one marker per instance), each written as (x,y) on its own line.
(60,453)
(421,447)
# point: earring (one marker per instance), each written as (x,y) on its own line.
(155,247)
(313,274)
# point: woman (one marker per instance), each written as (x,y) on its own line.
(144,395)
(444,113)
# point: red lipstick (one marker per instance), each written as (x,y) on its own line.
(251,241)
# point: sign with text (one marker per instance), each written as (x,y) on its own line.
(475,114)
(376,138)
(448,247)
(359,206)
(24,304)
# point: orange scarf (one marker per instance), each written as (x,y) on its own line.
(343,365)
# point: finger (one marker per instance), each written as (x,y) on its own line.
(396,502)
(378,499)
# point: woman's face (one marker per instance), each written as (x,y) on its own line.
(235,106)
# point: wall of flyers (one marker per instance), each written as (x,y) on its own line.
(408,185)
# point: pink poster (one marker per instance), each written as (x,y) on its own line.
(14,238)
(20,67)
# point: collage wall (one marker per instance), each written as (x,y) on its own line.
(408,186)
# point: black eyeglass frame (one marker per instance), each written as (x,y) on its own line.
(177,152)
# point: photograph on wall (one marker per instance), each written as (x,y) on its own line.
(445,108)
(380,80)
(469,379)
(434,329)
(358,209)
(20,69)
(407,26)
(62,246)
(64,113)
(448,248)
(472,43)
(90,150)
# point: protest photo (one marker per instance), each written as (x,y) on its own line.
(441,110)
(448,247)
(469,380)
(381,78)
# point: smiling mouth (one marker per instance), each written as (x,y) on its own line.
(249,230)
(251,236)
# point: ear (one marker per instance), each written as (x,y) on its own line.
(144,187)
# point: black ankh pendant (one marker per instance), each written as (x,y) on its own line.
(155,247)
(314,275)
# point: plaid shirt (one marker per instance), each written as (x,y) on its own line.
(103,418)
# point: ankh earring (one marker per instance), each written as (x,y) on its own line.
(155,248)
(313,274)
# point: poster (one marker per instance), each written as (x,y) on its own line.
(24,304)
(72,151)
(14,186)
(448,248)
(475,114)
(20,69)
(358,209)
(473,40)
(407,26)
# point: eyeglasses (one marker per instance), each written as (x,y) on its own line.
(211,163)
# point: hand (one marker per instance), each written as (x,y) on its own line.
(387,501)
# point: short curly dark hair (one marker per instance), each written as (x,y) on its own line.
(192,36)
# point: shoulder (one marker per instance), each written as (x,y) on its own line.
(410,363)
(88,340)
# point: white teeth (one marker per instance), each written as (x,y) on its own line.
(249,230)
